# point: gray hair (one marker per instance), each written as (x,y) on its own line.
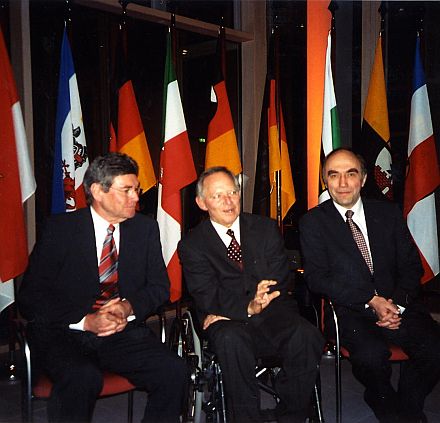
(105,168)
(212,171)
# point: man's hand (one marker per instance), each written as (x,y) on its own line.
(211,318)
(388,313)
(262,297)
(109,319)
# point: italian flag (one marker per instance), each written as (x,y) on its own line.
(176,171)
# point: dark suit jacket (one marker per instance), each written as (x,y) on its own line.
(61,282)
(335,267)
(217,284)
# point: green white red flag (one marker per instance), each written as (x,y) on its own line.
(176,171)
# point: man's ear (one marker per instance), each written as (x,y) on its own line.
(96,190)
(365,179)
(201,203)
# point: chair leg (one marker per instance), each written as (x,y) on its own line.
(130,407)
(221,392)
(338,377)
(318,404)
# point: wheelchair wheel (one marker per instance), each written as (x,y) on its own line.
(185,342)
(194,359)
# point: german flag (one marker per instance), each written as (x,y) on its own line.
(273,160)
(279,159)
(130,137)
(222,148)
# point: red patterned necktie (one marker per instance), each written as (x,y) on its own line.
(359,239)
(108,270)
(234,249)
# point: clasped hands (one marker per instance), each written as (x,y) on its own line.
(110,318)
(387,312)
(263,297)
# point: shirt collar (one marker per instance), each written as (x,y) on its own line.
(358,209)
(221,230)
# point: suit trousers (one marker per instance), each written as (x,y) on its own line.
(74,360)
(418,336)
(239,344)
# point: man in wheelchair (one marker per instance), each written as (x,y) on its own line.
(237,272)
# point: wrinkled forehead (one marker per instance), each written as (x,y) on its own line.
(343,161)
(218,182)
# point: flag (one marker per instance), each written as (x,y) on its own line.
(331,133)
(70,155)
(262,187)
(279,159)
(17,182)
(221,148)
(177,171)
(273,153)
(130,138)
(423,175)
(318,20)
(375,146)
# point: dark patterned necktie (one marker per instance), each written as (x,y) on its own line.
(359,239)
(234,249)
(108,270)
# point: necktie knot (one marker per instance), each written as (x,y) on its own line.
(110,229)
(349,214)
(230,232)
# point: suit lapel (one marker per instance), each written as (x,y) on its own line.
(375,229)
(87,243)
(248,241)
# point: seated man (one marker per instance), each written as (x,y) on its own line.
(237,271)
(359,253)
(94,276)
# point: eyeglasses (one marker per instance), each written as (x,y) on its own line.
(220,196)
(129,190)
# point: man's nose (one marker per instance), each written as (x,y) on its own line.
(343,180)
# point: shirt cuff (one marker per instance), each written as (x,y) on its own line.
(79,325)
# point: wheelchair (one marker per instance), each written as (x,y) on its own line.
(206,391)
(206,395)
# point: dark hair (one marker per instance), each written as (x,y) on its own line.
(105,168)
(348,150)
(212,171)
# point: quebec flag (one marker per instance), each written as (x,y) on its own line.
(70,155)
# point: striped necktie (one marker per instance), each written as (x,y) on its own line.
(359,239)
(108,270)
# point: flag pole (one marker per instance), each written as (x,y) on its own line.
(277,108)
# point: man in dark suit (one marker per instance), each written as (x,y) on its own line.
(76,330)
(375,292)
(239,282)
